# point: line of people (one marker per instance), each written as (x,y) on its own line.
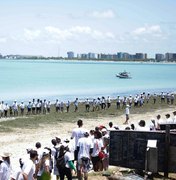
(42,107)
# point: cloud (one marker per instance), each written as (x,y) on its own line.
(57,33)
(77,32)
(152,30)
(103,14)
(31,34)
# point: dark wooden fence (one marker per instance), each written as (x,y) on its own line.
(128,149)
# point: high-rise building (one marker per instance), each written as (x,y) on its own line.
(70,55)
(169,56)
(141,56)
(159,57)
(91,55)
(120,55)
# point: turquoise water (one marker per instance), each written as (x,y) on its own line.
(27,79)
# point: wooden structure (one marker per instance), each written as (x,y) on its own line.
(128,149)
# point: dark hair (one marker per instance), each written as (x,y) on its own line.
(142,123)
(58,140)
(98,134)
(54,142)
(97,128)
(33,154)
(92,131)
(110,124)
(21,163)
(168,115)
(38,145)
(132,126)
(158,116)
(79,122)
(61,150)
(127,128)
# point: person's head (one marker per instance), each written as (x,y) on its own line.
(132,126)
(58,140)
(80,123)
(110,124)
(97,135)
(38,145)
(28,150)
(158,116)
(127,128)
(46,153)
(104,131)
(167,115)
(33,155)
(48,150)
(54,142)
(92,132)
(86,134)
(142,123)
(97,128)
(6,157)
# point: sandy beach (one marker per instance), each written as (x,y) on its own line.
(17,142)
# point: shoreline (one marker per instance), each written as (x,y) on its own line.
(83,98)
(148,61)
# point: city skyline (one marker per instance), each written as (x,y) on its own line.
(50,28)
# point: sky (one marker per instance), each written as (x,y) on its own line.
(54,27)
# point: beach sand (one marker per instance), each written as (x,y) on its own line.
(17,142)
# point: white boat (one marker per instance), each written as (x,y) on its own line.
(124,75)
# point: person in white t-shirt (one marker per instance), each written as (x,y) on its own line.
(15,108)
(108,102)
(169,120)
(22,107)
(174,118)
(105,138)
(54,152)
(2,106)
(85,148)
(160,120)
(5,167)
(67,106)
(87,105)
(78,133)
(127,113)
(76,104)
(142,126)
(44,166)
(40,154)
(6,108)
(28,171)
(97,147)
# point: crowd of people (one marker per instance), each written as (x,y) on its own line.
(39,106)
(85,150)
(81,153)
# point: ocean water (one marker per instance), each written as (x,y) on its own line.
(66,80)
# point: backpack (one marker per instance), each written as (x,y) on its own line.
(60,161)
